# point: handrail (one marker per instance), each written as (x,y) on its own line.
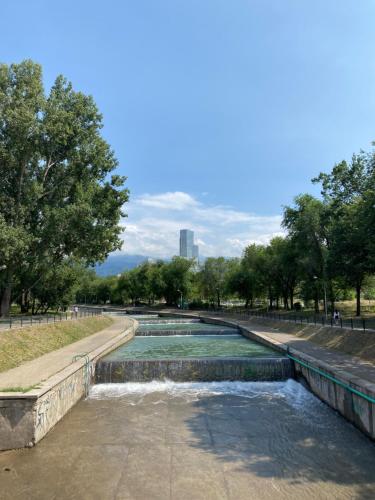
(333,379)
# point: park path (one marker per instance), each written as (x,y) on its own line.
(40,369)
(273,331)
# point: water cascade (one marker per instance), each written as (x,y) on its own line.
(185,350)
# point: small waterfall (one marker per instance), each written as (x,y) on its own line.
(144,332)
(190,370)
(169,321)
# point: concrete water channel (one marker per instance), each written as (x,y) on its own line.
(208,430)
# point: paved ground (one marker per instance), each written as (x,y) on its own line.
(274,442)
(33,372)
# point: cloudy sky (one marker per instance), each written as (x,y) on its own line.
(155,220)
(220,112)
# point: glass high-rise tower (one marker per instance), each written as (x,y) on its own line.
(187,247)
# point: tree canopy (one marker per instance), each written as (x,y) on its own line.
(58,199)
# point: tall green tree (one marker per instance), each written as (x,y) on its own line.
(177,278)
(212,278)
(56,192)
(281,268)
(246,277)
(308,225)
(348,192)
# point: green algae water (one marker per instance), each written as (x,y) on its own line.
(191,351)
(191,326)
(197,346)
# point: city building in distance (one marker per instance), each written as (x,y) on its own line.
(187,247)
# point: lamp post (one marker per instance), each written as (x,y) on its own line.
(181,303)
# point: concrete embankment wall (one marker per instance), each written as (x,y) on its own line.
(352,396)
(26,418)
(334,386)
(194,370)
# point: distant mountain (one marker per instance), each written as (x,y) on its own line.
(118,263)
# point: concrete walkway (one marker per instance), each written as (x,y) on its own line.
(40,369)
(341,362)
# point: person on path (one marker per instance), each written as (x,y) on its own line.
(336,316)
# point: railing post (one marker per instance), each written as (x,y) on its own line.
(364,324)
(351,322)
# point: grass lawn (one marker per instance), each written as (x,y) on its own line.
(25,344)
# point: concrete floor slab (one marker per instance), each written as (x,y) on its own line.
(295,448)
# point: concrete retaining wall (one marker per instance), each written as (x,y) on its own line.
(354,408)
(194,370)
(26,418)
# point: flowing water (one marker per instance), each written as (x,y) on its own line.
(195,441)
(191,351)
(195,346)
(166,440)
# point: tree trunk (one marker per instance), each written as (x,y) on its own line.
(6,296)
(358,298)
(270,297)
(291,298)
(285,299)
(25,302)
(316,303)
(247,303)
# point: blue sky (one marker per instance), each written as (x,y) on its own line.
(220,112)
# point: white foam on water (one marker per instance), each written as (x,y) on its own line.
(290,391)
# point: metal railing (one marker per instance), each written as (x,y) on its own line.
(19,321)
(363,324)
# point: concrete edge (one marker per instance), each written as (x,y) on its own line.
(51,382)
(25,418)
(354,408)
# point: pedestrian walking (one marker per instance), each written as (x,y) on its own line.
(336,317)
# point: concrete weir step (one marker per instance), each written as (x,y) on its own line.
(144,332)
(194,370)
(160,321)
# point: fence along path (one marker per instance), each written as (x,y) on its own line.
(19,321)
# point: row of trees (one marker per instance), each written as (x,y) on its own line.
(327,252)
(60,205)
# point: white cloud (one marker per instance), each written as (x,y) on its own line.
(154,222)
(168,201)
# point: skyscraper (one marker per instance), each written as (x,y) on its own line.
(186,243)
(187,247)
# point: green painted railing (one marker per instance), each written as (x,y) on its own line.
(333,379)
